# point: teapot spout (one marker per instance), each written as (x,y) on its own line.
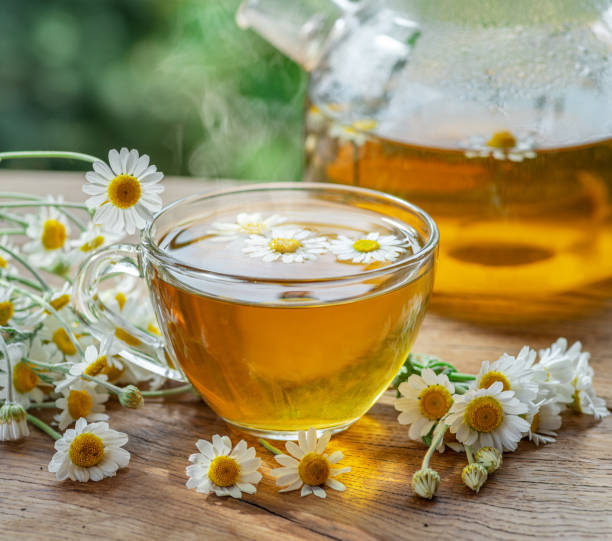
(301,30)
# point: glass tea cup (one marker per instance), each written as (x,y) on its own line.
(286,305)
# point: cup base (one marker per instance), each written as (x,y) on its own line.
(286,435)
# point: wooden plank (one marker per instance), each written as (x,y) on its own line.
(559,491)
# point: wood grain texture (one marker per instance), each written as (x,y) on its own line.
(561,491)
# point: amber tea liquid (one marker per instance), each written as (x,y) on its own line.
(272,356)
(508,229)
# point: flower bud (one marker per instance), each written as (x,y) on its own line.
(13,422)
(425,482)
(474,476)
(489,457)
(131,397)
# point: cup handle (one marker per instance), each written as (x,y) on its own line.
(141,348)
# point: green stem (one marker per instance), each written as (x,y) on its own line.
(433,446)
(468,452)
(47,366)
(48,154)
(29,267)
(65,204)
(168,392)
(51,310)
(24,282)
(25,197)
(9,375)
(458,377)
(112,388)
(12,232)
(270,447)
(41,405)
(14,219)
(43,426)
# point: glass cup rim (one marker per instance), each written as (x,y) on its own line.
(170,261)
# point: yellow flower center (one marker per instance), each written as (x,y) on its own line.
(535,423)
(491,377)
(101,367)
(6,312)
(127,337)
(86,450)
(366,245)
(24,378)
(502,139)
(79,404)
(63,343)
(121,300)
(124,191)
(96,242)
(314,469)
(575,403)
(54,235)
(284,246)
(153,329)
(3,263)
(224,471)
(435,401)
(364,125)
(60,302)
(484,414)
(253,228)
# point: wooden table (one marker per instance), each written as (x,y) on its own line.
(563,490)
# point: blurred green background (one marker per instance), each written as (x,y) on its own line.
(176,79)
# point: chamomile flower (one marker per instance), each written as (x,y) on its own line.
(6,266)
(94,238)
(425,400)
(556,369)
(225,471)
(24,380)
(89,452)
(48,231)
(501,145)
(356,133)
(60,300)
(53,332)
(544,419)
(81,399)
(488,418)
(7,305)
(287,244)
(367,249)
(308,466)
(13,422)
(515,373)
(585,400)
(246,224)
(125,194)
(98,362)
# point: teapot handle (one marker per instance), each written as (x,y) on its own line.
(140,347)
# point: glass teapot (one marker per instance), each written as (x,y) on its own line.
(495,117)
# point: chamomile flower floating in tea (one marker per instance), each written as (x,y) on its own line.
(308,467)
(544,420)
(488,418)
(89,452)
(48,231)
(246,224)
(287,244)
(367,249)
(425,400)
(514,373)
(125,194)
(502,145)
(81,399)
(225,471)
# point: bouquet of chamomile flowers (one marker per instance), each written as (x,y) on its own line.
(484,415)
(48,358)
